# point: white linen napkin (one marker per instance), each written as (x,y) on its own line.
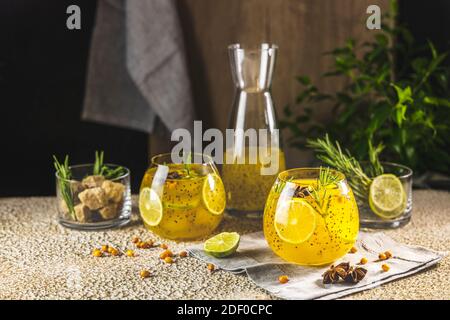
(263,267)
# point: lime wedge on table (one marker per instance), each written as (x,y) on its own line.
(387,199)
(222,245)
(295,221)
(150,207)
(213,193)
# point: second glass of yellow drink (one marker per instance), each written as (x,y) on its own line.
(311,216)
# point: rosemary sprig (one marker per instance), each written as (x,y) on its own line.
(333,155)
(187,163)
(65,175)
(103,170)
(280,185)
(98,164)
(320,193)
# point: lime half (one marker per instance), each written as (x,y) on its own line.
(222,245)
(150,207)
(387,199)
(295,221)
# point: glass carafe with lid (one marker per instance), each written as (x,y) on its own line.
(254,157)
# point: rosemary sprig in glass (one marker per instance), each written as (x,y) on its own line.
(64,174)
(333,155)
(320,194)
(187,163)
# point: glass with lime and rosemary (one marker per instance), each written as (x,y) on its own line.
(311,216)
(181,201)
(383,190)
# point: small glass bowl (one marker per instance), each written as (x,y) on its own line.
(368,219)
(97,203)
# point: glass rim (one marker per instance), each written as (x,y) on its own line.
(206,159)
(265,46)
(409,171)
(286,173)
(84,165)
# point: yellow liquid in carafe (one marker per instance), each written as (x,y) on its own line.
(247,189)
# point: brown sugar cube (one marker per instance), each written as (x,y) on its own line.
(92,181)
(82,213)
(110,211)
(114,190)
(94,198)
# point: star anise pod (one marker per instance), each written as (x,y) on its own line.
(342,269)
(301,192)
(330,276)
(173,175)
(355,274)
(333,274)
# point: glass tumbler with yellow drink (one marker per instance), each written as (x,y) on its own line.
(311,216)
(181,201)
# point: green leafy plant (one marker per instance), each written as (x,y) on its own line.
(395,106)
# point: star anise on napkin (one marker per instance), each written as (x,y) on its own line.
(345,272)
(333,274)
(355,274)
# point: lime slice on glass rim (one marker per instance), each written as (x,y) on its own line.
(295,221)
(213,194)
(387,198)
(222,245)
(150,207)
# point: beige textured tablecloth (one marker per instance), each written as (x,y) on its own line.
(39,259)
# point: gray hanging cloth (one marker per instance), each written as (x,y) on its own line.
(137,67)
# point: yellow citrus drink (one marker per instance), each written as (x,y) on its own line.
(311,221)
(181,204)
(247,189)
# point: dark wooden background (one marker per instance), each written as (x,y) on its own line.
(303,30)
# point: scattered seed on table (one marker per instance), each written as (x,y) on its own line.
(140,244)
(146,245)
(165,254)
(168,260)
(385,267)
(283,279)
(97,253)
(183,254)
(144,274)
(382,256)
(136,240)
